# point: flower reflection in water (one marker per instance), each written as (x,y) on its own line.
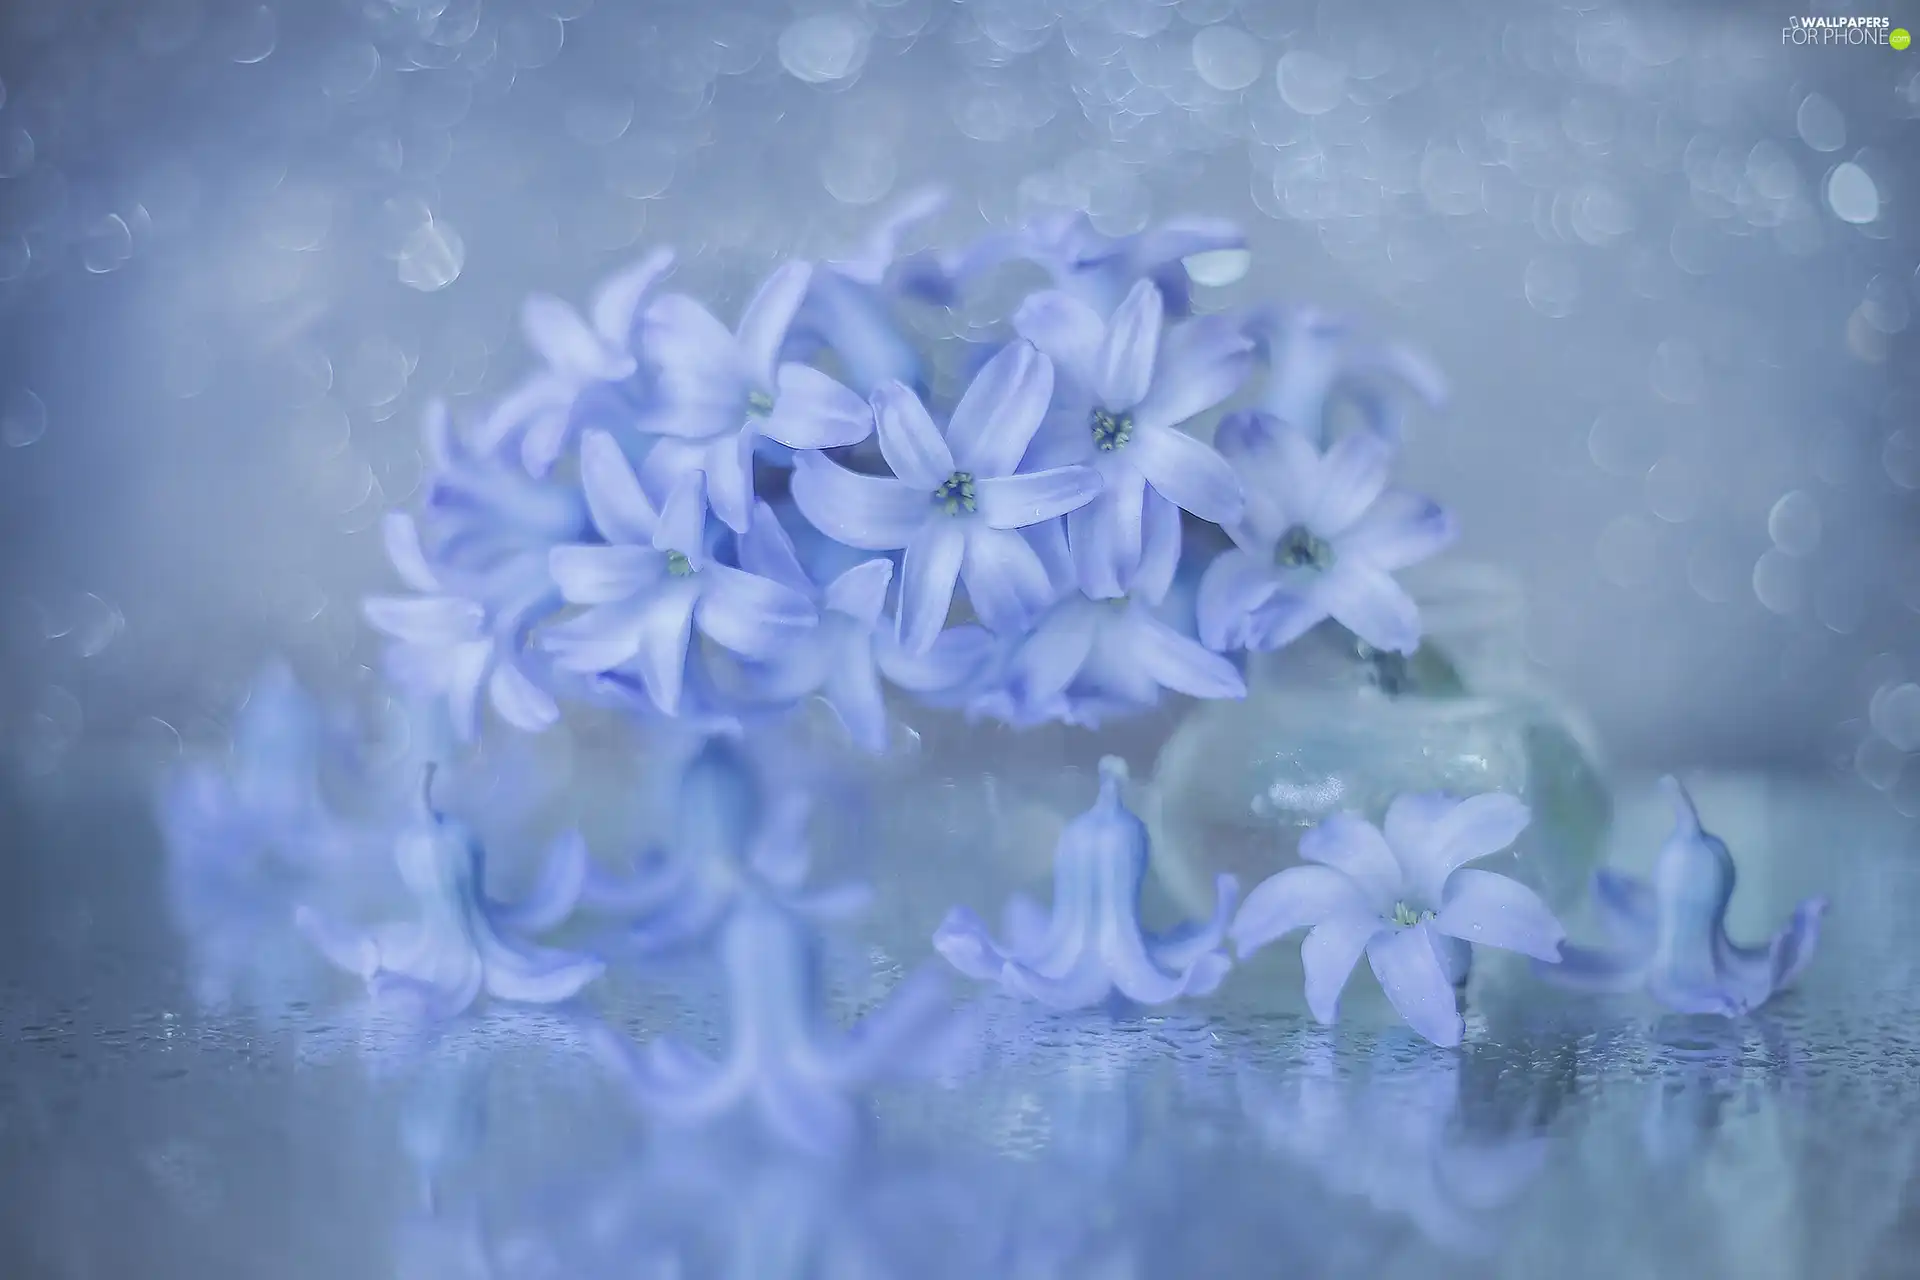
(1393,1136)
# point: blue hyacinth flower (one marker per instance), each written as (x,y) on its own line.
(1091,946)
(589,366)
(463,941)
(1088,661)
(844,658)
(652,581)
(716,392)
(957,497)
(1316,362)
(1321,538)
(1669,932)
(1127,383)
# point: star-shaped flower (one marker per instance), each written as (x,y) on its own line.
(463,942)
(715,392)
(652,582)
(844,658)
(1092,945)
(955,498)
(1670,932)
(588,361)
(1125,390)
(1321,538)
(1405,899)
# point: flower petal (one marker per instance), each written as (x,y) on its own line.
(620,508)
(616,303)
(1328,954)
(466,668)
(1105,536)
(927,579)
(683,519)
(1049,659)
(812,411)
(665,627)
(909,441)
(569,346)
(1160,549)
(1371,605)
(425,620)
(766,549)
(1399,530)
(861,592)
(1016,501)
(728,465)
(1491,910)
(1187,473)
(1410,974)
(1431,843)
(604,637)
(1001,410)
(1175,662)
(520,702)
(1132,343)
(752,616)
(871,513)
(402,538)
(1006,583)
(1068,330)
(1280,468)
(956,656)
(764,323)
(1352,475)
(853,691)
(604,575)
(1234,586)
(1297,898)
(700,375)
(1354,847)
(1202,362)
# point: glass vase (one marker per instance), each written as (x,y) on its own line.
(1329,725)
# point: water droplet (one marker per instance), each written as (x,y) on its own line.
(532,40)
(1673,490)
(1794,524)
(1852,195)
(1227,58)
(16,151)
(1885,306)
(23,418)
(296,217)
(1901,458)
(824,48)
(597,118)
(1311,84)
(318,431)
(1715,572)
(1779,583)
(1678,374)
(858,172)
(431,257)
(1878,763)
(97,623)
(1625,442)
(1628,551)
(349,69)
(107,245)
(1821,125)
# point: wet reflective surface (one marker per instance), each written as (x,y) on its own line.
(325,1137)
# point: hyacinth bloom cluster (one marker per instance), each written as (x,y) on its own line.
(620,529)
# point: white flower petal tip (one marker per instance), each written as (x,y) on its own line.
(1669,935)
(1092,948)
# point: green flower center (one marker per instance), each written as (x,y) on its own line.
(759,404)
(1111,430)
(1406,917)
(678,565)
(1302,548)
(955,494)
